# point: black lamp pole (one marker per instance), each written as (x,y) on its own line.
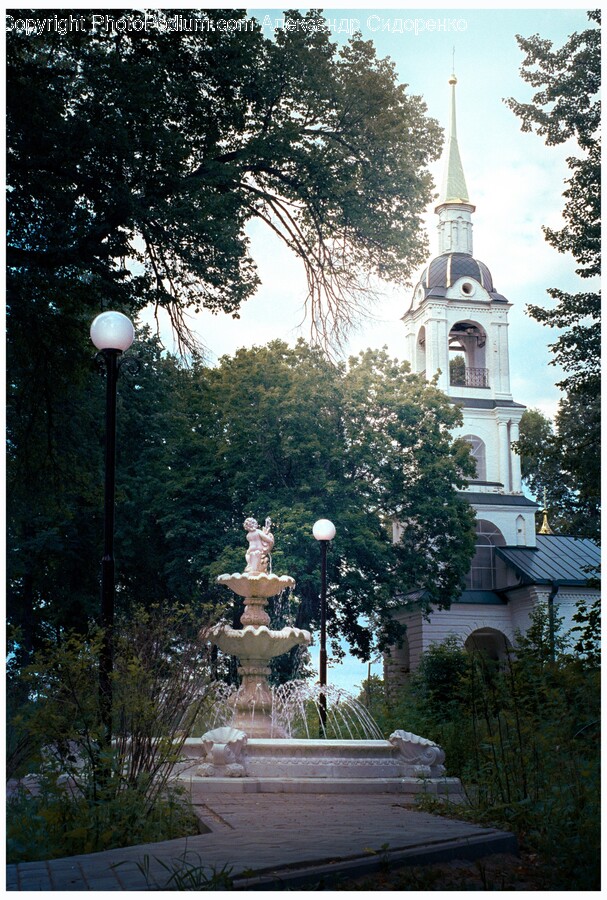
(108,589)
(322,663)
(323,531)
(111,333)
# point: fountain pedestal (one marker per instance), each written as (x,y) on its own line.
(255,645)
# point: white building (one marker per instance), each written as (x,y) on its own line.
(456,326)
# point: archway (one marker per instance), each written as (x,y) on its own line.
(490,641)
(467,358)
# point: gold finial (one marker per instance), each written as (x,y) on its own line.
(545,527)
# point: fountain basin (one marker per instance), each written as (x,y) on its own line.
(408,765)
(257,642)
(261,584)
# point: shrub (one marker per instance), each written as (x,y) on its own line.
(523,735)
(89,796)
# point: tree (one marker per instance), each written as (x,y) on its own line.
(135,160)
(273,431)
(128,187)
(364,445)
(566,106)
(558,476)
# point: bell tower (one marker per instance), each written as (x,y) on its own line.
(456,328)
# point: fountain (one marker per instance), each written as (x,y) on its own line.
(255,644)
(257,750)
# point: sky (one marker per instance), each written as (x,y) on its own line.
(514,180)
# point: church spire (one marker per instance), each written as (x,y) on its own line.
(454,189)
(454,208)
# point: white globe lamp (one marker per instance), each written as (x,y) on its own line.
(323,530)
(112,331)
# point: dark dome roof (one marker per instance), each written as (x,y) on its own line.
(444,271)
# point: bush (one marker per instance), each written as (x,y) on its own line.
(60,819)
(524,737)
(89,796)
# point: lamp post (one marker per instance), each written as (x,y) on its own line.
(323,531)
(112,333)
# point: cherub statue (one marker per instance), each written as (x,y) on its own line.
(261,541)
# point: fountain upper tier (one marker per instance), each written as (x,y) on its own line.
(259,584)
(257,642)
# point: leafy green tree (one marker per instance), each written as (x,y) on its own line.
(273,431)
(128,187)
(364,445)
(566,106)
(558,476)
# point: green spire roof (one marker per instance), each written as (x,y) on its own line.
(454,188)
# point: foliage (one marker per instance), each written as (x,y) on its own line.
(523,736)
(362,445)
(187,873)
(586,632)
(457,370)
(57,820)
(89,797)
(128,187)
(276,431)
(566,106)
(371,693)
(552,471)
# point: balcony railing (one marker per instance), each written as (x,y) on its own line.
(469,377)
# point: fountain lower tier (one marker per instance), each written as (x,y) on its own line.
(255,646)
(226,759)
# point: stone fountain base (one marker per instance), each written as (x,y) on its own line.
(226,760)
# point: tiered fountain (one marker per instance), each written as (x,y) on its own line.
(255,644)
(254,753)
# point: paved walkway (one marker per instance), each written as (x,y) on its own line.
(273,841)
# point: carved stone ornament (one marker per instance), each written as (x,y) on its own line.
(224,748)
(422,758)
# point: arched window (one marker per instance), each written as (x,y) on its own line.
(479,453)
(467,360)
(420,351)
(490,641)
(481,576)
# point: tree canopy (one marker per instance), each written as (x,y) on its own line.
(135,161)
(566,106)
(272,431)
(560,472)
(137,158)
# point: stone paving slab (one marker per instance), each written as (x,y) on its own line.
(277,840)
